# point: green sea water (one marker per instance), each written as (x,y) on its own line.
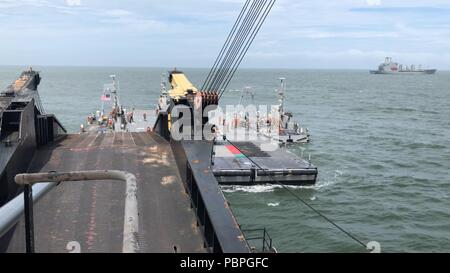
(381,143)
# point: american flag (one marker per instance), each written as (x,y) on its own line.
(106,97)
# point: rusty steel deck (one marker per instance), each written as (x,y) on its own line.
(91,213)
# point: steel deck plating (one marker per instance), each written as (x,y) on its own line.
(91,213)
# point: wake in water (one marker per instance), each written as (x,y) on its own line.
(272,187)
(320,185)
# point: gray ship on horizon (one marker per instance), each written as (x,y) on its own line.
(389,67)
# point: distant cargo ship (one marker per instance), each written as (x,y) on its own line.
(389,67)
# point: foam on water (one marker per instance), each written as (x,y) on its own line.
(320,185)
(250,189)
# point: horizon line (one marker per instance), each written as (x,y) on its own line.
(187,67)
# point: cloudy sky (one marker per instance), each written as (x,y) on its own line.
(188,33)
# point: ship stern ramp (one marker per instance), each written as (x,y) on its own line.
(91,213)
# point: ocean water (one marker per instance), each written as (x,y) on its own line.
(381,143)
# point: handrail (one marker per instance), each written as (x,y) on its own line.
(266,239)
(11,212)
(57,121)
(131,220)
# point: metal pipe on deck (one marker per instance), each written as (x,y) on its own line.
(131,218)
(11,212)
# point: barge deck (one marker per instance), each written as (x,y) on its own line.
(91,213)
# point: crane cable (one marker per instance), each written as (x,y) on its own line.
(241,36)
(225,45)
(227,81)
(246,29)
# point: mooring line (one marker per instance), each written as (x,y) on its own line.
(302,200)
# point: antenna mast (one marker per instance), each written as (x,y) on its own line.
(281,94)
(114,91)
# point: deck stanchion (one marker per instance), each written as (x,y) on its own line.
(29,224)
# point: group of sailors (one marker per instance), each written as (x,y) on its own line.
(110,120)
(270,123)
(245,120)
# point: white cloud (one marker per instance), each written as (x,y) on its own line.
(4,4)
(319,34)
(118,13)
(130,19)
(348,58)
(73,3)
(373,2)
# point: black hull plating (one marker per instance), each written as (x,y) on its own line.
(23,130)
(34,82)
